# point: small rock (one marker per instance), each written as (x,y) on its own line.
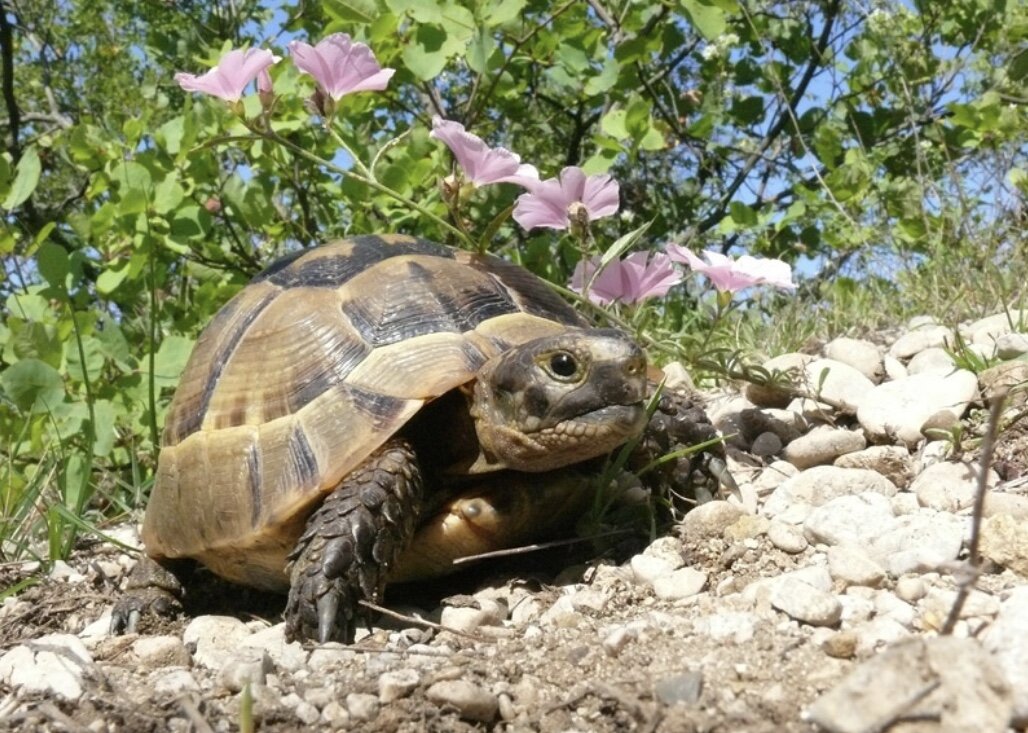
(823,445)
(911,588)
(949,681)
(154,652)
(1001,377)
(949,486)
(1011,345)
(647,570)
(896,410)
(682,583)
(471,701)
(55,664)
(326,657)
(988,329)
(362,706)
(213,638)
(1014,505)
(617,639)
(245,666)
(735,626)
(710,519)
(805,603)
(396,684)
(918,542)
(920,339)
(860,354)
(850,565)
(894,368)
(771,477)
(1004,540)
(850,519)
(891,461)
(838,384)
(770,396)
(1007,639)
(784,424)
(787,538)
(766,444)
(307,713)
(821,484)
(286,656)
(172,682)
(336,715)
(684,688)
(746,527)
(934,359)
(841,645)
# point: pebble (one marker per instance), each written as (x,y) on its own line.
(471,701)
(1014,505)
(160,651)
(860,354)
(836,383)
(787,538)
(1011,345)
(1007,639)
(950,486)
(1003,376)
(949,681)
(934,359)
(286,656)
(919,542)
(821,484)
(988,329)
(823,445)
(172,682)
(849,519)
(396,684)
(766,445)
(362,706)
(684,688)
(896,410)
(55,664)
(647,569)
(891,461)
(850,565)
(710,519)
(920,339)
(213,638)
(911,588)
(1004,540)
(245,666)
(841,645)
(770,396)
(682,583)
(805,603)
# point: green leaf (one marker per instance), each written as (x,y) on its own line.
(606,79)
(26,178)
(93,351)
(109,280)
(742,214)
(499,12)
(33,385)
(352,11)
(709,20)
(480,50)
(53,265)
(427,53)
(171,359)
(167,195)
(103,427)
(1018,69)
(615,123)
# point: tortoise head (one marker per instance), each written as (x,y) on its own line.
(558,400)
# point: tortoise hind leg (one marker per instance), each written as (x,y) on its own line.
(351,542)
(152,589)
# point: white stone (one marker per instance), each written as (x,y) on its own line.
(647,569)
(920,339)
(850,519)
(911,588)
(821,484)
(396,684)
(174,681)
(471,700)
(786,537)
(213,638)
(682,583)
(806,603)
(987,330)
(838,384)
(709,519)
(932,360)
(735,626)
(894,368)
(55,664)
(850,565)
(247,665)
(860,354)
(918,542)
(154,652)
(896,410)
(892,461)
(1007,639)
(286,656)
(362,706)
(950,486)
(1011,345)
(768,396)
(823,445)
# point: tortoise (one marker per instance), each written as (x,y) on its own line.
(367,411)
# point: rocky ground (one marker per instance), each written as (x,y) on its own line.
(818,599)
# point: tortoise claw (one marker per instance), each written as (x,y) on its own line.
(152,590)
(349,545)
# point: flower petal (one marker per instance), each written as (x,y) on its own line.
(339,66)
(235,70)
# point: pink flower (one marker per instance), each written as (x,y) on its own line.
(481,164)
(730,275)
(554,202)
(230,77)
(635,278)
(340,66)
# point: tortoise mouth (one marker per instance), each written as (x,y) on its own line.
(624,419)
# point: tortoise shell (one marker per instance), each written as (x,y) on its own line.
(308,370)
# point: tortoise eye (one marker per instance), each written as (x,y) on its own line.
(563,364)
